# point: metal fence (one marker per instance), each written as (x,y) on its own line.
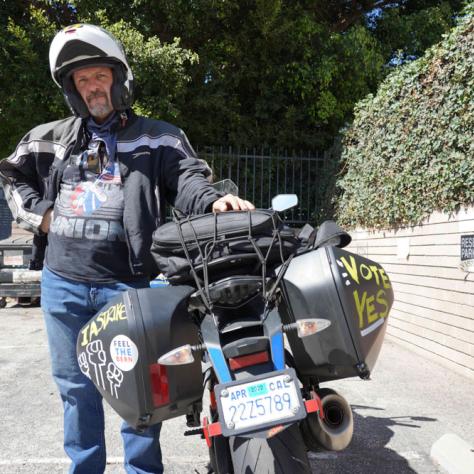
(261,175)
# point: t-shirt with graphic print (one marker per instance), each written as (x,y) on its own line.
(86,240)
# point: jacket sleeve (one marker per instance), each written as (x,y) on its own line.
(187,179)
(23,186)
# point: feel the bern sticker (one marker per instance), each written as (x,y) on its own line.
(124,352)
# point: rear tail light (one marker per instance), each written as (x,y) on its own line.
(248,360)
(159,385)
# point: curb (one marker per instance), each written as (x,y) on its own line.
(453,454)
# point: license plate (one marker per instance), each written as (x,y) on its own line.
(261,402)
(13,260)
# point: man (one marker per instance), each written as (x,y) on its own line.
(93,187)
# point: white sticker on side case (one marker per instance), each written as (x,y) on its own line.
(124,352)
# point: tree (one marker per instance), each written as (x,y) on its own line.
(406,29)
(409,151)
(27,94)
(274,73)
(280,72)
(269,71)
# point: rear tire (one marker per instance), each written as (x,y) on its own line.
(285,453)
(219,455)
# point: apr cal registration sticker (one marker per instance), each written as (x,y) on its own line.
(260,402)
(124,352)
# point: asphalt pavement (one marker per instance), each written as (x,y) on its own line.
(409,404)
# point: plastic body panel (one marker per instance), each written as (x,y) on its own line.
(119,348)
(355,294)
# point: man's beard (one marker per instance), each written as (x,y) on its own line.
(98,109)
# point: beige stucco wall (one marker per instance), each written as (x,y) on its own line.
(433,311)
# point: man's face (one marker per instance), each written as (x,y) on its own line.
(94,84)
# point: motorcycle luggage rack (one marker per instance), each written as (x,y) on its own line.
(206,251)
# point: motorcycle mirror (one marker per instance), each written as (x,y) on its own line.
(227,186)
(282,202)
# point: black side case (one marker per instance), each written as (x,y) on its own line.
(355,294)
(119,348)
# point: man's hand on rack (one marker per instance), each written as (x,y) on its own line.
(229,202)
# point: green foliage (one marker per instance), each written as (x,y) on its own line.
(410,149)
(27,93)
(29,97)
(279,72)
(275,73)
(159,69)
(411,27)
(270,71)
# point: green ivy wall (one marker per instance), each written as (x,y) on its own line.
(410,149)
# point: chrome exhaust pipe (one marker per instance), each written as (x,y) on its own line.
(333,432)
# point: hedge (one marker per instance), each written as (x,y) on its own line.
(410,148)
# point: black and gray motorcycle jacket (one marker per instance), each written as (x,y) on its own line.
(157,165)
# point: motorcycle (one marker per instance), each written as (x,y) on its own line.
(257,315)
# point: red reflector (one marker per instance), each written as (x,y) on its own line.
(311,406)
(212,399)
(246,360)
(159,385)
(275,430)
(214,429)
(315,404)
(205,424)
(210,430)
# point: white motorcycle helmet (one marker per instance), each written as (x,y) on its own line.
(85,45)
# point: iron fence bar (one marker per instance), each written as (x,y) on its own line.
(270,180)
(309,195)
(274,171)
(246,176)
(261,183)
(301,185)
(278,178)
(221,162)
(253,179)
(237,160)
(293,182)
(229,165)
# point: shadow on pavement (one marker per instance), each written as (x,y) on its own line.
(23,302)
(368,451)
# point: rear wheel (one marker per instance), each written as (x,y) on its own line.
(283,454)
(219,454)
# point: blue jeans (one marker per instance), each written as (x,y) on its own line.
(68,305)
